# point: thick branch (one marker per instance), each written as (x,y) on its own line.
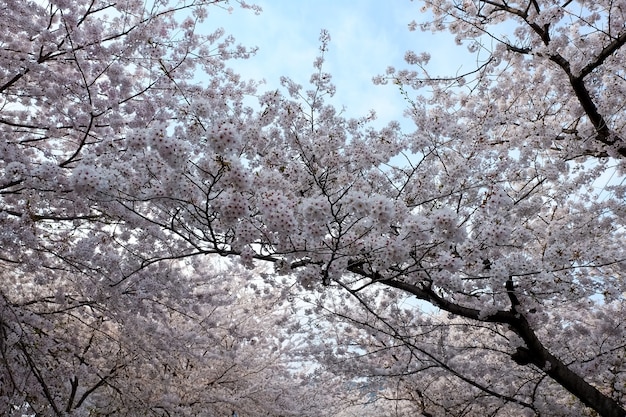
(606,52)
(583,95)
(538,355)
(504,317)
(535,352)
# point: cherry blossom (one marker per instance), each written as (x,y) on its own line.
(463,266)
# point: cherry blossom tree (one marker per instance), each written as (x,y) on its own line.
(545,95)
(209,343)
(82,83)
(467,268)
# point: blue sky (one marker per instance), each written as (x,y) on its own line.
(367,36)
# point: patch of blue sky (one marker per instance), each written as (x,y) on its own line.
(367,36)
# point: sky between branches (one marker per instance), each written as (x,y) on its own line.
(367,36)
